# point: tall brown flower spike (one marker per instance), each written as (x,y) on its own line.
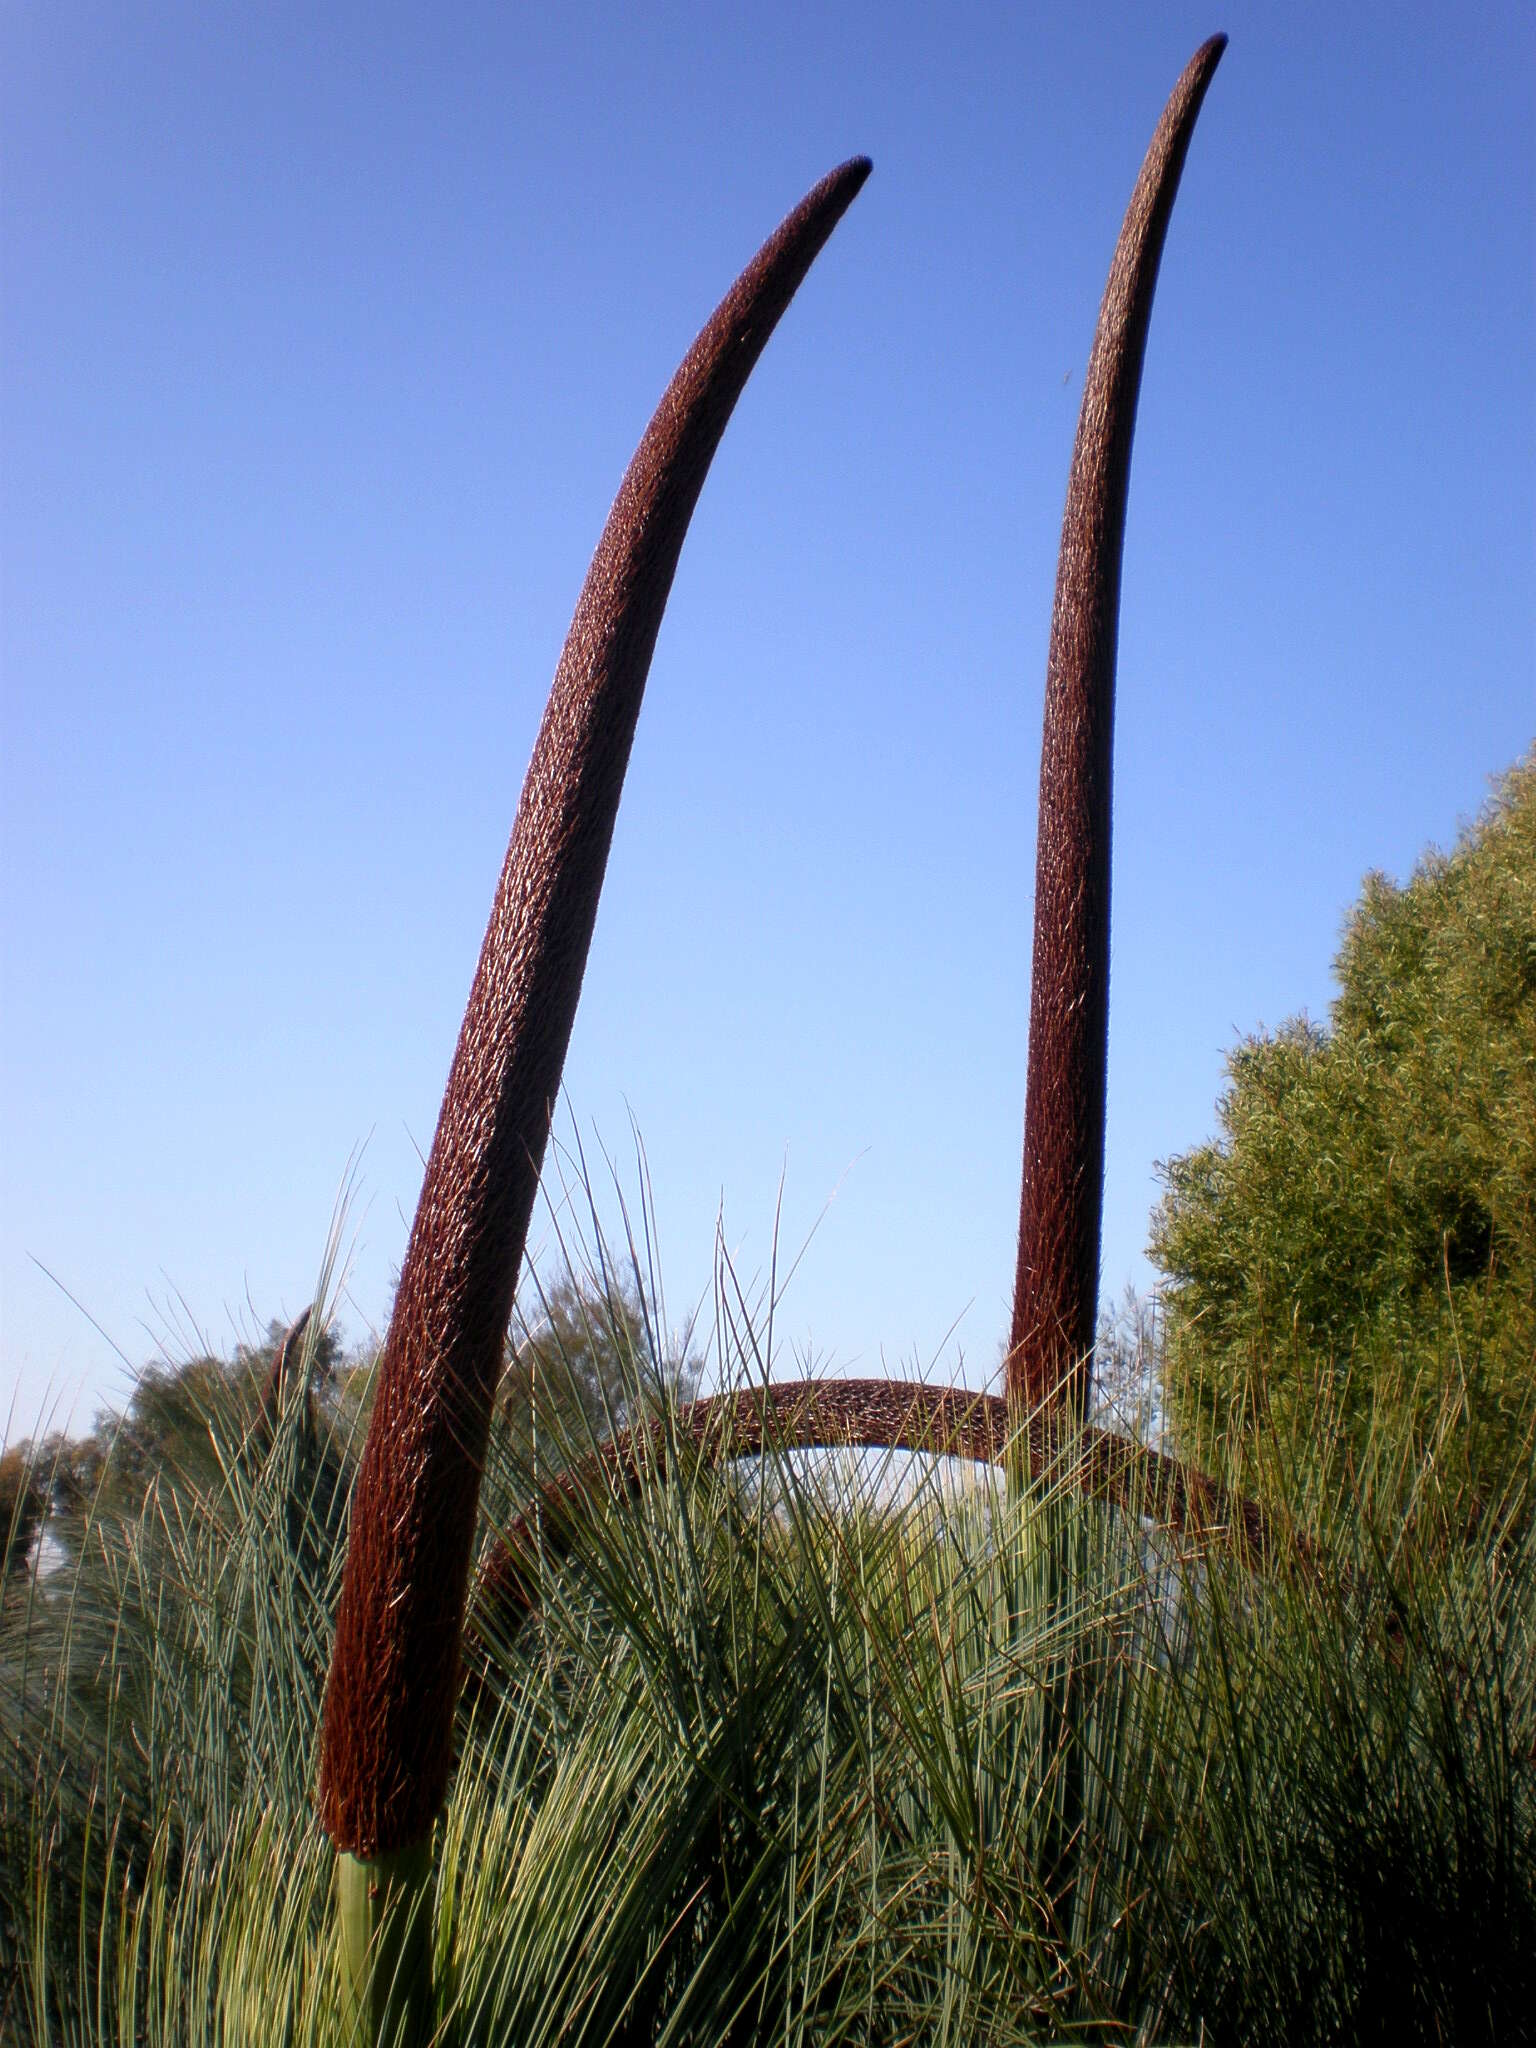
(386,1742)
(1057,1284)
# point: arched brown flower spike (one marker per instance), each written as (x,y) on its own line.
(901,1415)
(387,1737)
(1056,1289)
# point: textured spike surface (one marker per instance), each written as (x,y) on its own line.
(386,1741)
(1057,1282)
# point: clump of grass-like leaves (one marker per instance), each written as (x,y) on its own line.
(774,1758)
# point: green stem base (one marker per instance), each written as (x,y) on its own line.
(384,1907)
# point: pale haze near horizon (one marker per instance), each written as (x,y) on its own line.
(325,346)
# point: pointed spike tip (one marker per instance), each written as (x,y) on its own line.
(838,189)
(1187,97)
(1201,68)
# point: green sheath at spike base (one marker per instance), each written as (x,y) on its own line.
(384,1904)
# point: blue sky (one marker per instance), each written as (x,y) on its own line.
(325,344)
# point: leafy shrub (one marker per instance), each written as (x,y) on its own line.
(1362,1233)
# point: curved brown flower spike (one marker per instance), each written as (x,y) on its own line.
(852,1414)
(387,1737)
(1056,1289)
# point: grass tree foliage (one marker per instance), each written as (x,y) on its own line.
(772,1760)
(1363,1229)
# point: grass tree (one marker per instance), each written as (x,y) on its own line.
(1056,1286)
(387,1742)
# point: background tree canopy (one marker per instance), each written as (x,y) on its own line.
(584,1357)
(1362,1234)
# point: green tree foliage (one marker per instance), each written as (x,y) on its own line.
(179,1429)
(586,1357)
(21,1509)
(1363,1231)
